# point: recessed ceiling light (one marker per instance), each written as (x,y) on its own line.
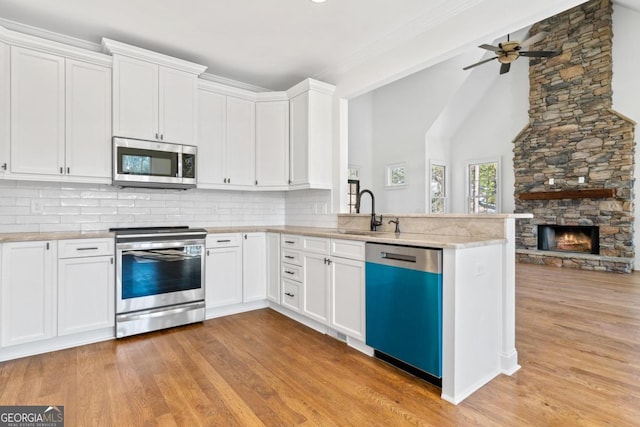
(318,1)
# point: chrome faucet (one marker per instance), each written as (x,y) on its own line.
(375,222)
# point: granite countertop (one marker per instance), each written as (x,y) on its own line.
(411,239)
(57,235)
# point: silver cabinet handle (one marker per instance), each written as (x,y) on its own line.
(87,249)
(289,242)
(223,241)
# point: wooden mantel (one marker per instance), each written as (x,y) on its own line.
(569,194)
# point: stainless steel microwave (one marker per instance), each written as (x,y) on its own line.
(151,164)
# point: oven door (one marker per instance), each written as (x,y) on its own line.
(158,274)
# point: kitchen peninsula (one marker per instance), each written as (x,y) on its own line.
(478,286)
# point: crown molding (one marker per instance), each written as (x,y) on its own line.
(117,48)
(230,82)
(15,38)
(310,84)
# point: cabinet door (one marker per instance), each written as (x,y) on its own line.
(178,106)
(240,155)
(299,113)
(347,297)
(315,303)
(273,267)
(135,98)
(28,309)
(212,118)
(5,136)
(37,112)
(223,284)
(88,120)
(272,144)
(254,265)
(86,297)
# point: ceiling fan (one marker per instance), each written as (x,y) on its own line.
(509,51)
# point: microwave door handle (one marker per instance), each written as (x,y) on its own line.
(180,165)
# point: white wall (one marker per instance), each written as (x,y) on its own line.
(626,86)
(487,133)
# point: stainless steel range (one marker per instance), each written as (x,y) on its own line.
(159,278)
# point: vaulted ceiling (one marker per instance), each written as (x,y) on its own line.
(271,44)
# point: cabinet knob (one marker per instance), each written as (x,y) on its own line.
(157,136)
(68,170)
(162,137)
(61,170)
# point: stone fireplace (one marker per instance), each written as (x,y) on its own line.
(574,161)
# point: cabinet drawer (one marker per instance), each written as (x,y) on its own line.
(224,240)
(291,295)
(76,248)
(351,249)
(292,272)
(291,241)
(319,245)
(291,257)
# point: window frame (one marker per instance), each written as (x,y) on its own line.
(467,195)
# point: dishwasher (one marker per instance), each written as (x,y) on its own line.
(404,308)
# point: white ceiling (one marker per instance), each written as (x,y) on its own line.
(271,44)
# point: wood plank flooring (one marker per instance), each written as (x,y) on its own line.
(577,334)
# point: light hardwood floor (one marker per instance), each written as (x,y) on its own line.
(577,334)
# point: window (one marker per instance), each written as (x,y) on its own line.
(483,186)
(437,187)
(353,191)
(397,175)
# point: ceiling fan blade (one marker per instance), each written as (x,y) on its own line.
(489,47)
(533,39)
(479,63)
(540,53)
(504,68)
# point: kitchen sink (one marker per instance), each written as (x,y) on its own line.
(357,232)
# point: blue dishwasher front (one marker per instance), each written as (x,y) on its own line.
(404,307)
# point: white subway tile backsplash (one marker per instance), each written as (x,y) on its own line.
(32,206)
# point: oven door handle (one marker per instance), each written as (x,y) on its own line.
(162,311)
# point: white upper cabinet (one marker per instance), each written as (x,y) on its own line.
(154,95)
(88,120)
(5,135)
(178,106)
(212,113)
(240,168)
(226,139)
(55,111)
(272,144)
(135,98)
(311,134)
(37,112)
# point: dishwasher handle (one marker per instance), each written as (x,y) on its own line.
(398,257)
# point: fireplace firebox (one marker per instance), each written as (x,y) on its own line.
(569,238)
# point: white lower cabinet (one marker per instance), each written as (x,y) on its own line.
(236,268)
(86,285)
(347,297)
(315,303)
(273,267)
(254,267)
(324,279)
(223,270)
(28,309)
